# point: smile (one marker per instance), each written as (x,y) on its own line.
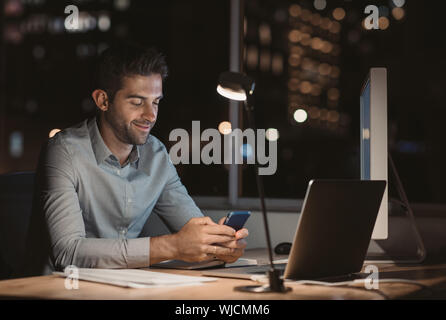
(142,128)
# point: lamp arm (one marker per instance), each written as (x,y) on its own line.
(260,188)
(276,283)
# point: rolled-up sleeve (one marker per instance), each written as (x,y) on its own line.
(60,204)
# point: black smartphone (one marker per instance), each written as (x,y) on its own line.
(237,219)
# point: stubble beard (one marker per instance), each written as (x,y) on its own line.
(126,133)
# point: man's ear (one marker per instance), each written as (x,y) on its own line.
(100,97)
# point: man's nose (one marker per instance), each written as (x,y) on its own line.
(150,113)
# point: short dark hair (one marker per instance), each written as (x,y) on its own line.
(117,62)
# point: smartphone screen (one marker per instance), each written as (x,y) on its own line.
(237,219)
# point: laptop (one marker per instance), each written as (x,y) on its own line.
(332,235)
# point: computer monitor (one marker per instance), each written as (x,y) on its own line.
(373,133)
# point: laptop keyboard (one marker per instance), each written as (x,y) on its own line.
(259,270)
(263,269)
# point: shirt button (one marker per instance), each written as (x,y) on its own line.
(129,200)
(118,172)
(122,231)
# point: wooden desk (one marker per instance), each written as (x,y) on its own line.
(52,287)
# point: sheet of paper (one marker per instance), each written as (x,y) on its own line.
(280,261)
(242,262)
(177,264)
(134,278)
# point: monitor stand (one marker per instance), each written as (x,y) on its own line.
(388,251)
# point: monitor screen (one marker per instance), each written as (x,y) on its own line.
(365,131)
(373,137)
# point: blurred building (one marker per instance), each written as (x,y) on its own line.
(308,57)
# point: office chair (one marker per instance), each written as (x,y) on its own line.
(16,192)
(24,238)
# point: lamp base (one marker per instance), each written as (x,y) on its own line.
(261,289)
(275,284)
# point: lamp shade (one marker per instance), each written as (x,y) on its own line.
(229,93)
(235,85)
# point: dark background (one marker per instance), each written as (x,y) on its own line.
(46,81)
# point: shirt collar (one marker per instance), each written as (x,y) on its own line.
(133,156)
(100,149)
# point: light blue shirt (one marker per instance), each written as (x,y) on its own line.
(95,208)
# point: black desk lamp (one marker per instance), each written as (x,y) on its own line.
(240,87)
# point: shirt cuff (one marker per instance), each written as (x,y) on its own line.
(138,253)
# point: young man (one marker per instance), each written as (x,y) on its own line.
(99,181)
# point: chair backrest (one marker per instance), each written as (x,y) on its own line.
(24,238)
(16,194)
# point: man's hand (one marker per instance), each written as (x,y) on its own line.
(202,239)
(238,244)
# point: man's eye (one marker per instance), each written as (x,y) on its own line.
(136,102)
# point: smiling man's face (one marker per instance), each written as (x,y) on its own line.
(134,109)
